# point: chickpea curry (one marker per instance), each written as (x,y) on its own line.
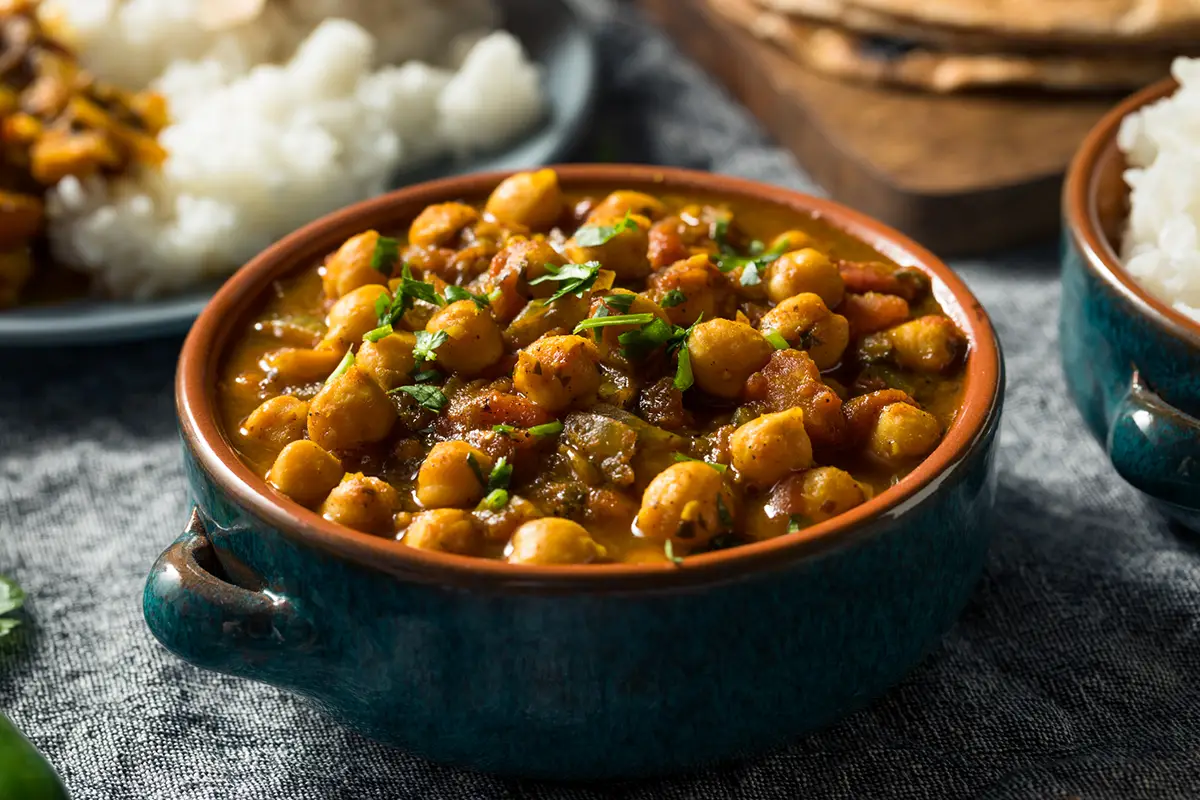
(589,378)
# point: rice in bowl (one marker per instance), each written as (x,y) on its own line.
(1161,144)
(275,120)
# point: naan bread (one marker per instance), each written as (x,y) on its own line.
(991,24)
(842,53)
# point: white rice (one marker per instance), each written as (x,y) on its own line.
(257,149)
(1161,142)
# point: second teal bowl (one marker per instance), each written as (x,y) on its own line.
(1132,363)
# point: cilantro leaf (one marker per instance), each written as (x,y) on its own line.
(427,345)
(455,293)
(596,235)
(385,255)
(776,339)
(427,375)
(408,290)
(639,343)
(796,522)
(576,279)
(683,371)
(750,274)
(500,427)
(430,397)
(680,457)
(477,468)
(673,298)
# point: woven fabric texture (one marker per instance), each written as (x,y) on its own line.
(1072,672)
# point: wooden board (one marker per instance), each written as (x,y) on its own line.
(963,175)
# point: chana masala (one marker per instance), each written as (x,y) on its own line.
(593,377)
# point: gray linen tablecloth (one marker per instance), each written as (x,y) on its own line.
(1071,673)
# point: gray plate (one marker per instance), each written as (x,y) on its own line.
(553,35)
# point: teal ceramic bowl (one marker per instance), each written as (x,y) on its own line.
(1131,361)
(580,672)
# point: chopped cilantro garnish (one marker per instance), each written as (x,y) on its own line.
(669,550)
(477,468)
(596,235)
(427,375)
(639,343)
(576,279)
(796,522)
(496,500)
(427,345)
(501,474)
(684,457)
(430,397)
(346,363)
(455,293)
(723,513)
(728,259)
(683,370)
(548,429)
(408,290)
(673,298)
(620,319)
(502,428)
(378,333)
(618,302)
(776,339)
(385,255)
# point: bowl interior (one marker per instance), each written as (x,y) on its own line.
(1097,204)
(232,309)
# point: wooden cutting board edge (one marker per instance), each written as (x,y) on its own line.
(963,223)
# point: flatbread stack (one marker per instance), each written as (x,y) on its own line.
(947,46)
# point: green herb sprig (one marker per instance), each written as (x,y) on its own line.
(385,255)
(575,279)
(455,293)
(728,259)
(430,397)
(427,344)
(596,235)
(390,311)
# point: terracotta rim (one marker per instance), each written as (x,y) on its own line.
(1082,216)
(207,343)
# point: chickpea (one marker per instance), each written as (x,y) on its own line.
(903,432)
(724,354)
(609,342)
(808,324)
(806,270)
(276,422)
(389,361)
(305,472)
(532,199)
(299,365)
(553,540)
(475,341)
(818,494)
(351,317)
(687,503)
(768,448)
(528,259)
(349,411)
(624,253)
(439,224)
(624,201)
(791,240)
(927,344)
(448,480)
(697,280)
(350,267)
(558,371)
(445,530)
(363,503)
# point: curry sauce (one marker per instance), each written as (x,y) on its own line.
(593,377)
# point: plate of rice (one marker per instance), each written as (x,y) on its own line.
(150,147)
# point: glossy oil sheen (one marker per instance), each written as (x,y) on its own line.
(581,686)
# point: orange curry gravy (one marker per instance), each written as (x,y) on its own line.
(809,386)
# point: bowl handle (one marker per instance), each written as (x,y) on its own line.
(1155,446)
(213,623)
